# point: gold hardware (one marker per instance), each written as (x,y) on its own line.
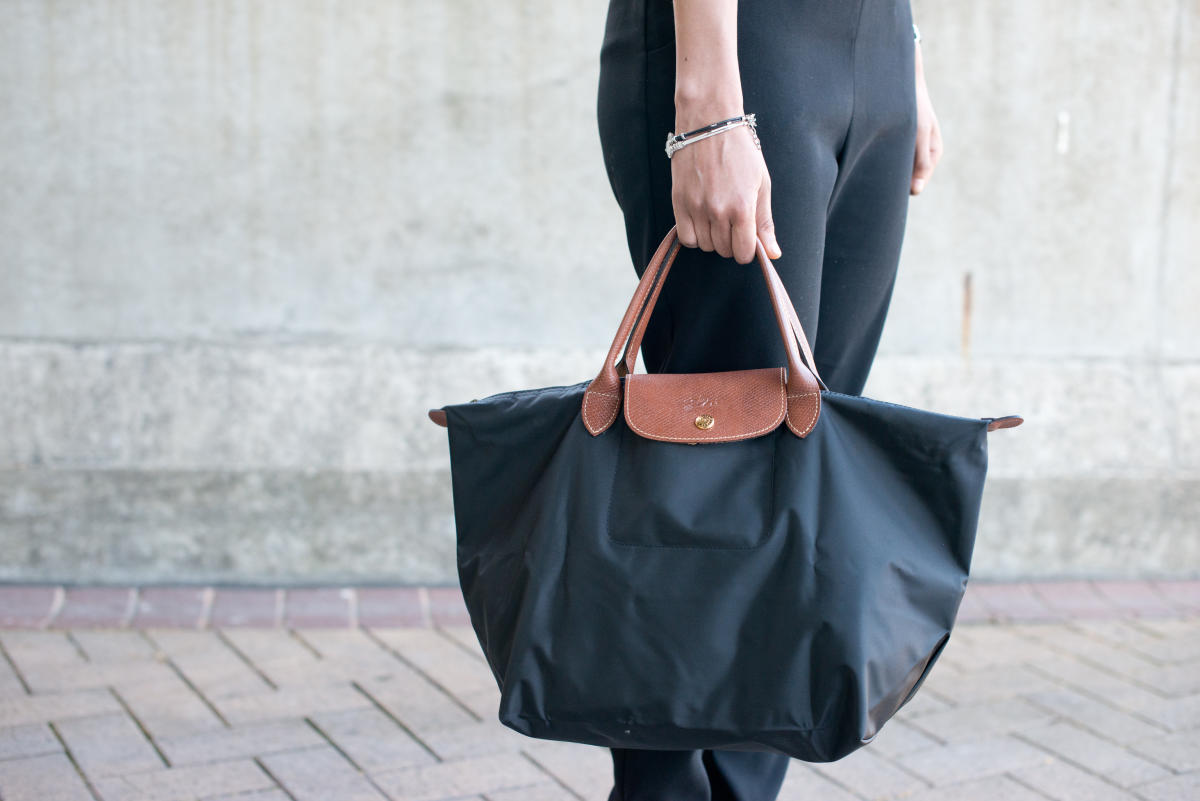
(704,421)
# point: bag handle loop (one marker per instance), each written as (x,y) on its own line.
(602,399)
(629,361)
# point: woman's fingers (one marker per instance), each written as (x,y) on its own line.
(741,232)
(696,223)
(929,150)
(686,229)
(935,142)
(922,161)
(765,223)
(721,222)
(691,223)
(929,135)
(704,233)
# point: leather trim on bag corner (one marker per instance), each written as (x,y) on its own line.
(1008,421)
(803,410)
(599,408)
(735,404)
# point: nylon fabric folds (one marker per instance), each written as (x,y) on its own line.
(772,593)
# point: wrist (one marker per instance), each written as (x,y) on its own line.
(701,104)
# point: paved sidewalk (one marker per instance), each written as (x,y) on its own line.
(1087,691)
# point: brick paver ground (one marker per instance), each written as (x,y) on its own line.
(1073,691)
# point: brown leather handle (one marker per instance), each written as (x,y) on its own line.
(601,400)
(779,297)
(774,284)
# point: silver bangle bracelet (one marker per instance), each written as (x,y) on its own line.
(676,141)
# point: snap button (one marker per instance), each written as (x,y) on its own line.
(704,421)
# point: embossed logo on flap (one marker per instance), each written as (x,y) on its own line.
(705,407)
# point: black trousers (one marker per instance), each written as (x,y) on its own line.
(832,85)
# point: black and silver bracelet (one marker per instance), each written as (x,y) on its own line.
(676,141)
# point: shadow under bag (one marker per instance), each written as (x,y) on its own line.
(739,560)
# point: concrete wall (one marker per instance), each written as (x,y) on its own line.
(244,247)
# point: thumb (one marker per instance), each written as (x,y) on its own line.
(766,223)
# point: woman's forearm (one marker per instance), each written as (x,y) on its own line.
(720,187)
(708,84)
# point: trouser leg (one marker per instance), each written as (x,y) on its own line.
(707,775)
(645,775)
(744,775)
(869,204)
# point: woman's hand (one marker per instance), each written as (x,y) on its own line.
(929,135)
(720,189)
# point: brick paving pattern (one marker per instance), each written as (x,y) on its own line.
(1071,691)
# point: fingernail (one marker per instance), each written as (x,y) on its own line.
(919,184)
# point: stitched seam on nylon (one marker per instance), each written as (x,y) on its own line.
(778,418)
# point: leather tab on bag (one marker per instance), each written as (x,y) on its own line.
(803,409)
(438,416)
(1009,421)
(706,407)
(601,402)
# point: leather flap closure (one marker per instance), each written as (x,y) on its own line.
(706,407)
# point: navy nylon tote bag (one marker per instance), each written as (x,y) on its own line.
(740,560)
